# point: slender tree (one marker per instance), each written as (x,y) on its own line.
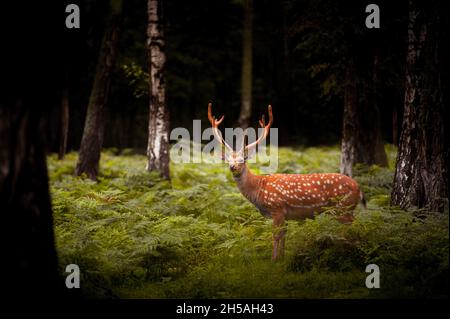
(247,65)
(158,126)
(369,147)
(92,140)
(282,66)
(361,133)
(64,119)
(361,139)
(341,47)
(421,175)
(349,121)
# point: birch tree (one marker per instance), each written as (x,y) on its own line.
(158,125)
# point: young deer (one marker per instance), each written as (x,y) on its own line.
(288,196)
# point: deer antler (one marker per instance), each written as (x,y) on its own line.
(262,123)
(216,131)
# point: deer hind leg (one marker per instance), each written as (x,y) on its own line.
(346,218)
(278,236)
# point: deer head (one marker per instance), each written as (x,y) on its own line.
(237,159)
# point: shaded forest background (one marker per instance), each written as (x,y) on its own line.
(302,77)
(329,79)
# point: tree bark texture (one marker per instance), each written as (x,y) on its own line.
(92,140)
(349,125)
(247,66)
(421,175)
(158,127)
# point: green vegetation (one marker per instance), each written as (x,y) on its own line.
(136,236)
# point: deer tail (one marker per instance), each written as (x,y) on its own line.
(362,199)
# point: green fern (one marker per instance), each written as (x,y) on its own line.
(135,235)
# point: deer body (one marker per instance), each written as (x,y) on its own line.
(298,196)
(288,196)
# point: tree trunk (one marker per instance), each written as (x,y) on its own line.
(64,119)
(361,132)
(28,250)
(158,126)
(369,146)
(421,175)
(92,140)
(286,109)
(247,65)
(350,121)
(31,76)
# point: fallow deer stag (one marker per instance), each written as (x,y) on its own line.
(288,196)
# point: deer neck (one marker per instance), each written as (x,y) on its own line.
(249,184)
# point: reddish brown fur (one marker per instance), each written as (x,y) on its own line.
(288,196)
(296,196)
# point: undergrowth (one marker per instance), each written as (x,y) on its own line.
(134,235)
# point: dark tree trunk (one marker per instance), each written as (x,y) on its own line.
(28,253)
(361,132)
(30,76)
(421,175)
(64,120)
(247,66)
(286,109)
(369,148)
(158,127)
(349,122)
(123,129)
(92,140)
(379,156)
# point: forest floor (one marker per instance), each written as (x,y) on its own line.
(136,236)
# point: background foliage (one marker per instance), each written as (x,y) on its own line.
(300,49)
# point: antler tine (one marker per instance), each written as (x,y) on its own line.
(214,124)
(269,108)
(212,118)
(266,128)
(262,121)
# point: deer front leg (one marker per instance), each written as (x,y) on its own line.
(278,235)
